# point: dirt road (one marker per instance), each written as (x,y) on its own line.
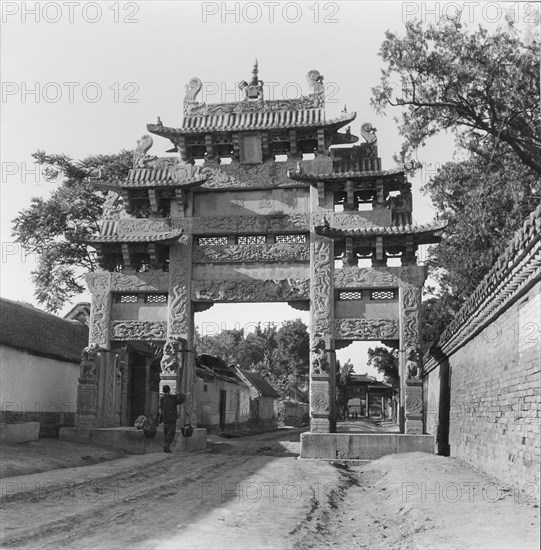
(254,493)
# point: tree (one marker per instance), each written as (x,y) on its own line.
(279,354)
(386,362)
(74,205)
(484,87)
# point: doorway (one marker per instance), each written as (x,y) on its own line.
(138,384)
(223,403)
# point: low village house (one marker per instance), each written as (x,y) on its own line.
(40,357)
(231,399)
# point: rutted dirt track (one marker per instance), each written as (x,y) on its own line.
(254,493)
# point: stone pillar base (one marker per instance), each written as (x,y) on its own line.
(414,407)
(87,404)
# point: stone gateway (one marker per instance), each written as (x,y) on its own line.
(253,205)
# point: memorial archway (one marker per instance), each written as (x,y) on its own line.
(266,226)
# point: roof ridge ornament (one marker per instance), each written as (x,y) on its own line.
(140,157)
(369,132)
(254,90)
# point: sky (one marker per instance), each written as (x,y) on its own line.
(85,78)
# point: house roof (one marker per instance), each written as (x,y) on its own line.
(79,312)
(40,333)
(260,384)
(209,367)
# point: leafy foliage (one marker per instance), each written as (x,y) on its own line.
(480,85)
(484,87)
(386,362)
(74,205)
(281,355)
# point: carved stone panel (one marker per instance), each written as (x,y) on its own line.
(378,216)
(382,277)
(138,226)
(138,330)
(366,329)
(179,305)
(319,398)
(100,314)
(224,225)
(322,288)
(279,290)
(99,282)
(279,252)
(410,298)
(140,282)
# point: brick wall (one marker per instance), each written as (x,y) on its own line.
(494,405)
(482,381)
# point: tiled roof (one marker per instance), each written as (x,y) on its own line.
(375,230)
(142,178)
(209,367)
(151,177)
(132,238)
(514,272)
(368,174)
(40,333)
(258,120)
(260,384)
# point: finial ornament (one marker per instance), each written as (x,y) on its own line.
(315,81)
(140,157)
(254,90)
(192,89)
(369,132)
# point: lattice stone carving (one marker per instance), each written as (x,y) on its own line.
(252,290)
(366,329)
(138,330)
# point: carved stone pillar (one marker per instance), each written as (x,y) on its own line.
(99,285)
(322,356)
(87,390)
(411,390)
(180,326)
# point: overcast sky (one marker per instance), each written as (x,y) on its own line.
(85,78)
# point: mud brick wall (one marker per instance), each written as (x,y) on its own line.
(482,380)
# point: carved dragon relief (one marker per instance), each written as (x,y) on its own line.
(151,281)
(178,307)
(366,329)
(270,290)
(138,330)
(279,252)
(249,224)
(99,319)
(355,277)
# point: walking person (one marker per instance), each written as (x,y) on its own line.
(168,414)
